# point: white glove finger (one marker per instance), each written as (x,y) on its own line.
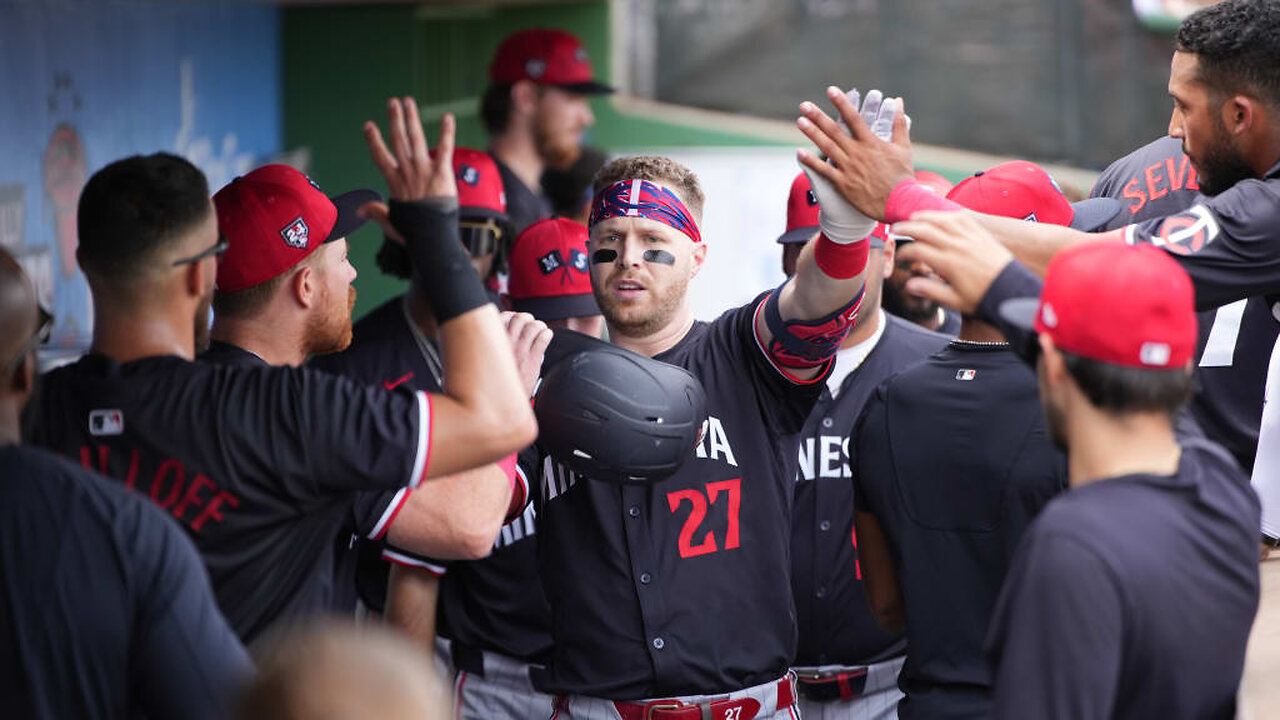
(826,193)
(854,99)
(882,126)
(871,107)
(840,221)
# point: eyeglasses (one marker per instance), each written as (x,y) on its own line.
(217,249)
(44,329)
(480,238)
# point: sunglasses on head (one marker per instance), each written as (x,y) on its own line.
(44,329)
(480,238)
(218,249)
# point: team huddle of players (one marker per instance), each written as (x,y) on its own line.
(985,452)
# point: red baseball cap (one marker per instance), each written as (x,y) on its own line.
(547,57)
(1129,305)
(1023,190)
(274,217)
(549,271)
(480,193)
(802,215)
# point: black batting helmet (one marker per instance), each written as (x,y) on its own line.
(613,415)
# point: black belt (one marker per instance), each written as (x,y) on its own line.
(832,686)
(467,658)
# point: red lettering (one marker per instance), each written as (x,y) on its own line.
(1153,181)
(84,457)
(1133,192)
(1185,175)
(211,510)
(192,496)
(857,566)
(734,487)
(172,467)
(131,478)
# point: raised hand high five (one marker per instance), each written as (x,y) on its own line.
(408,166)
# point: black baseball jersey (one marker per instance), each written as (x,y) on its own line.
(524,206)
(1156,180)
(1132,597)
(495,604)
(107,610)
(682,587)
(259,464)
(954,459)
(835,622)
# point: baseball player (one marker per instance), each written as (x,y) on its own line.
(1092,619)
(536,109)
(569,189)
(108,612)
(664,597)
(953,462)
(920,310)
(1236,339)
(260,465)
(846,665)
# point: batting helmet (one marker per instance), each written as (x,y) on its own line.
(613,415)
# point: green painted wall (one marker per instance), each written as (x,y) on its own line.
(341,63)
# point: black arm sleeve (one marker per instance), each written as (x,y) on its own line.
(442,265)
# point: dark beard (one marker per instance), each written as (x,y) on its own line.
(1221,166)
(891,301)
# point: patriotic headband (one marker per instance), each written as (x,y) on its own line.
(641,198)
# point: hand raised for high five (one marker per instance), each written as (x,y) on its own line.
(408,167)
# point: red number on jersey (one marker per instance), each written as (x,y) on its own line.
(698,512)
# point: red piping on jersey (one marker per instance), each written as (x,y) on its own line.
(457,695)
(431,434)
(404,498)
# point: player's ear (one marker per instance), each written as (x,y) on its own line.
(1239,114)
(305,286)
(1054,367)
(524,97)
(699,257)
(890,254)
(193,279)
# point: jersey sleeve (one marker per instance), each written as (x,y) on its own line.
(374,511)
(1226,243)
(186,661)
(1055,643)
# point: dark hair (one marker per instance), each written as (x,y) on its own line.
(1121,389)
(133,208)
(393,259)
(495,108)
(1237,44)
(569,189)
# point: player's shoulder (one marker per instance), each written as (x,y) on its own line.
(912,338)
(1137,162)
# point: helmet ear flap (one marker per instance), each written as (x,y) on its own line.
(613,415)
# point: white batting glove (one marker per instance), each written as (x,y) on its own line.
(841,222)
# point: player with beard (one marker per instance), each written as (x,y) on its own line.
(536,109)
(279,304)
(920,310)
(665,597)
(260,464)
(1092,619)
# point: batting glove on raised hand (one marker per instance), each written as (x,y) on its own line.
(841,222)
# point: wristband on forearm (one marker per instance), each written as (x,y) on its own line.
(909,197)
(841,260)
(442,265)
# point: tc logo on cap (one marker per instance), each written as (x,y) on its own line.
(296,233)
(580,54)
(1048,316)
(1155,353)
(535,67)
(469,175)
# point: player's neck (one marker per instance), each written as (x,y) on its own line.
(269,340)
(10,420)
(975,330)
(1105,445)
(657,342)
(869,320)
(518,151)
(126,334)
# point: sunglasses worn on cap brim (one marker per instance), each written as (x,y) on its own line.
(44,330)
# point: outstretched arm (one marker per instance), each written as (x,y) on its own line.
(484,413)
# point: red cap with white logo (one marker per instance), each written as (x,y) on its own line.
(550,271)
(273,218)
(546,57)
(1126,305)
(480,193)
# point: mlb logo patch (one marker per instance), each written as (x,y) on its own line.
(1154,353)
(578,260)
(966,374)
(550,262)
(296,233)
(469,175)
(106,422)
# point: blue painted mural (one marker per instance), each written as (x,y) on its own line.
(86,83)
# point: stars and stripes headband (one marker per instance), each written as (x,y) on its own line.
(641,198)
